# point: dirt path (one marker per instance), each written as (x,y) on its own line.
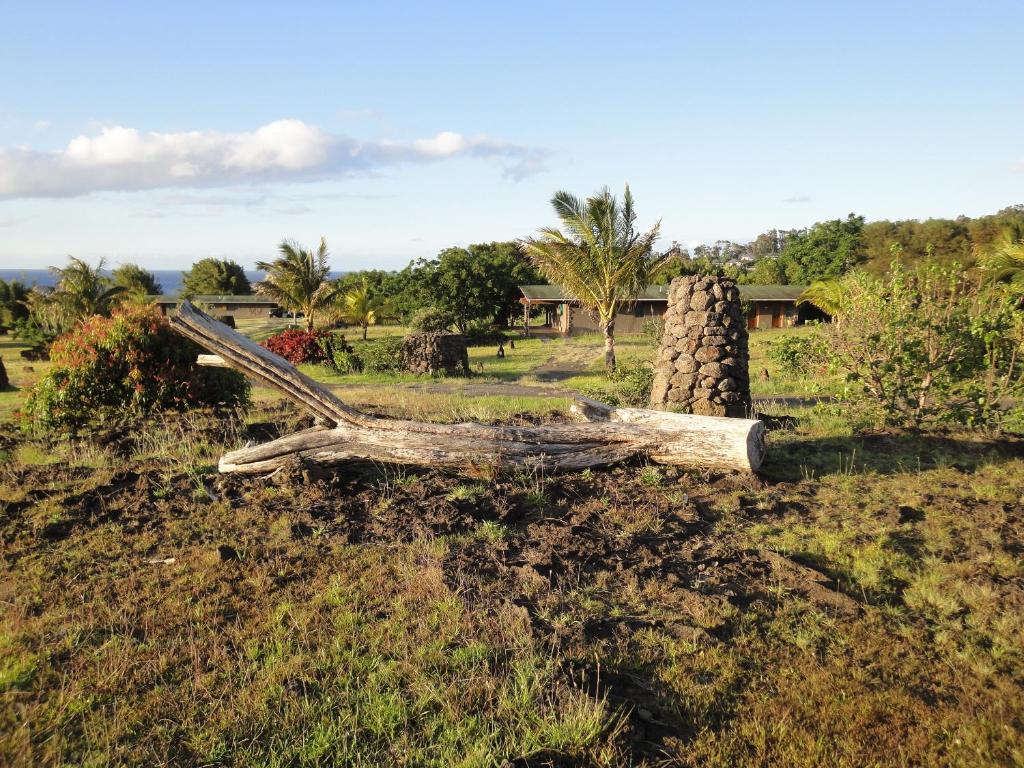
(564,366)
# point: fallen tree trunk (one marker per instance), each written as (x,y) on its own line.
(608,435)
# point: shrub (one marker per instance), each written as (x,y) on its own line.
(653,330)
(795,355)
(928,346)
(430,320)
(128,364)
(628,385)
(381,355)
(300,346)
(347,361)
(480,333)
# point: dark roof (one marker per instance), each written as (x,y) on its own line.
(211,299)
(770,292)
(660,293)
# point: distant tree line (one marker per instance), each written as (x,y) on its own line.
(830,249)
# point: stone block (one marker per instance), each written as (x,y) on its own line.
(708,354)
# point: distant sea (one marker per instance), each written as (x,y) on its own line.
(169,279)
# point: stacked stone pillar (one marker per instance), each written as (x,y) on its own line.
(702,365)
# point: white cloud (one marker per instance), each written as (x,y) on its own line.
(797,199)
(125,159)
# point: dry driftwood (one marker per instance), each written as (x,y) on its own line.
(608,435)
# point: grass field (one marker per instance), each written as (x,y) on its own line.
(860,602)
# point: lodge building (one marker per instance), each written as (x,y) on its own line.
(239,307)
(768,306)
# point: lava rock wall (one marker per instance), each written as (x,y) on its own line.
(435,353)
(703,364)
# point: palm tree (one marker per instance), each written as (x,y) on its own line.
(830,296)
(13,296)
(83,291)
(600,260)
(298,279)
(1006,264)
(358,307)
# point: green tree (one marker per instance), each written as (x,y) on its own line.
(136,280)
(766,271)
(358,307)
(83,291)
(215,277)
(828,249)
(381,285)
(297,279)
(600,260)
(479,283)
(13,301)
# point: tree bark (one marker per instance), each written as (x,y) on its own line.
(609,344)
(608,435)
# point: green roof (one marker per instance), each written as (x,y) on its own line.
(660,293)
(211,299)
(770,292)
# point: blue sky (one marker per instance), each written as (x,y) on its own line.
(161,133)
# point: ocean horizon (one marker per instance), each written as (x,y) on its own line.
(169,279)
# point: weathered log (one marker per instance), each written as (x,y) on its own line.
(608,435)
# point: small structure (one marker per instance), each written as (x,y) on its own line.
(435,353)
(766,306)
(703,363)
(239,307)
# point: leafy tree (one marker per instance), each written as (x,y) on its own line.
(382,286)
(136,280)
(988,231)
(770,243)
(13,298)
(215,277)
(766,271)
(297,279)
(828,249)
(942,241)
(358,307)
(600,260)
(477,283)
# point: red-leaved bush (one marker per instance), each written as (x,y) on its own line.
(299,346)
(131,363)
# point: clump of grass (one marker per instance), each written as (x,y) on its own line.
(467,492)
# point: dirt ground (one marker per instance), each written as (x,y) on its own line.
(680,601)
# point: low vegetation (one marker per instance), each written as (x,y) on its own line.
(128,365)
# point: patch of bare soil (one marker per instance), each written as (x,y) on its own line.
(579,554)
